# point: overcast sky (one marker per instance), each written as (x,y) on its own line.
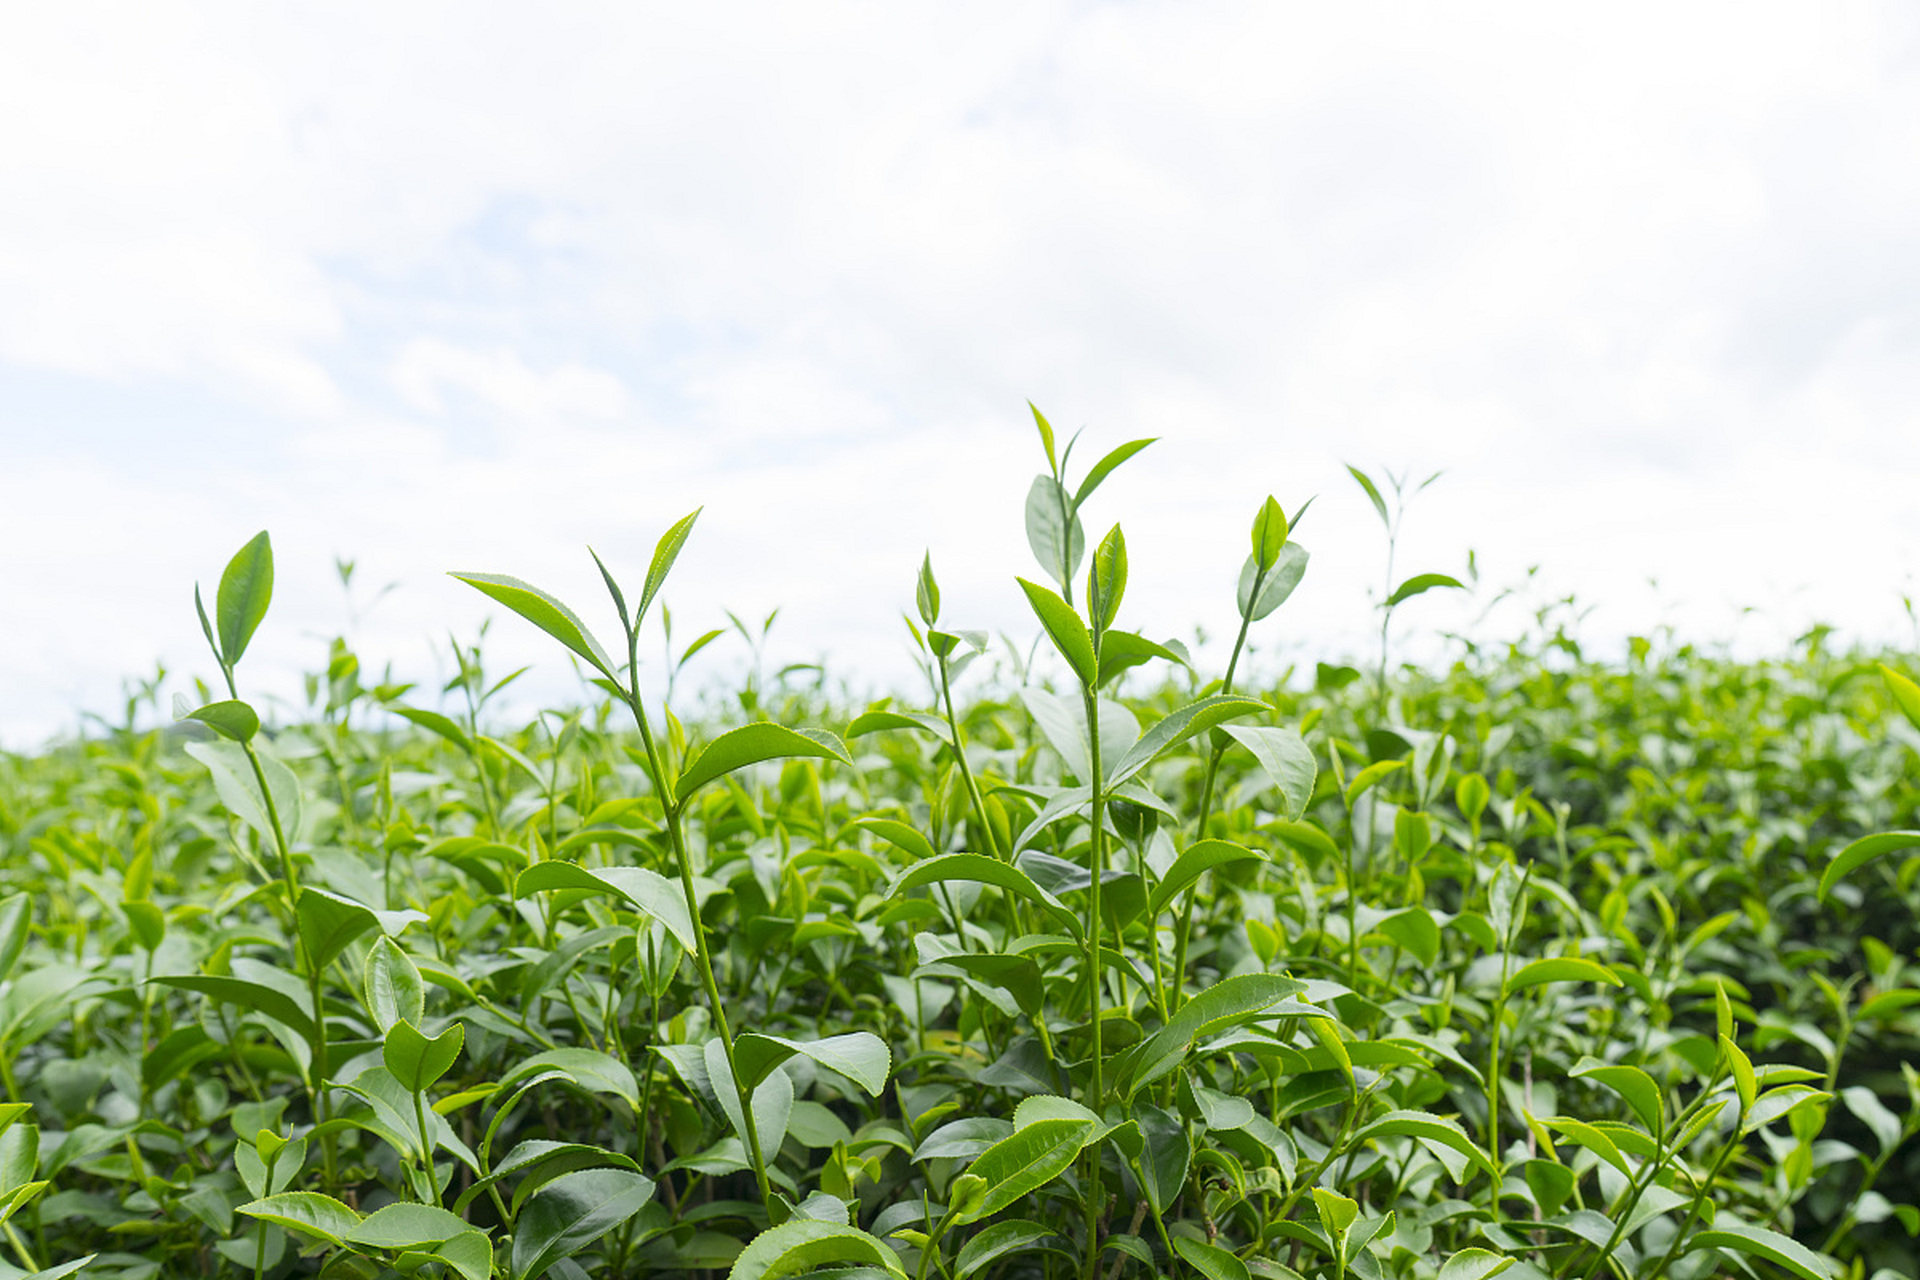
(465,286)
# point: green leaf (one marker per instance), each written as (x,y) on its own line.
(1027,1160)
(1582,1134)
(1373,493)
(1633,1084)
(1225,1004)
(1906,694)
(392,984)
(1269,533)
(1426,1126)
(899,834)
(255,996)
(751,744)
(1123,650)
(1013,1236)
(231,719)
(1369,778)
(1286,760)
(1474,1264)
(1165,1155)
(416,1061)
(981,869)
(881,719)
(239,789)
(648,892)
(665,552)
(307,1212)
(1176,727)
(1862,851)
(1210,1260)
(1757,1242)
(470,1254)
(1560,969)
(1870,1111)
(329,922)
(860,1056)
(926,592)
(1275,586)
(1195,861)
(1054,531)
(801,1245)
(1046,436)
(1068,633)
(1104,468)
(246,588)
(434,722)
(1107,581)
(771,1100)
(544,612)
(16,926)
(1744,1083)
(407,1226)
(1422,582)
(592,1070)
(570,1213)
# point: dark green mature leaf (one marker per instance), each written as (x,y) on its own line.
(801,1245)
(1105,467)
(570,1213)
(544,612)
(1027,1160)
(751,744)
(1783,1251)
(665,552)
(859,1056)
(1863,851)
(1210,1260)
(1012,1236)
(1195,861)
(307,1212)
(1422,582)
(1286,760)
(1277,584)
(330,922)
(470,1254)
(1064,627)
(246,588)
(393,989)
(1165,1154)
(416,1061)
(231,719)
(1178,726)
(1235,1000)
(243,994)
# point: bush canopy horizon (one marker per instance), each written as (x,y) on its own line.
(1538,969)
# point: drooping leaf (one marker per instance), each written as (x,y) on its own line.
(544,612)
(1012,1236)
(1227,1003)
(1561,969)
(1863,851)
(1782,1251)
(246,589)
(981,869)
(801,1245)
(572,1212)
(1177,726)
(308,1212)
(751,744)
(646,891)
(1420,583)
(1426,1126)
(590,1069)
(434,722)
(1195,861)
(1027,1160)
(1276,584)
(1632,1084)
(1286,760)
(860,1056)
(1373,493)
(244,994)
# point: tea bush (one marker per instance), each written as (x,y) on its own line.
(1535,965)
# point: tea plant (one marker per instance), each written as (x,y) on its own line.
(1090,964)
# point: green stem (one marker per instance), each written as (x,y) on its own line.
(1096,1089)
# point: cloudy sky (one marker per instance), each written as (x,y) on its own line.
(466,286)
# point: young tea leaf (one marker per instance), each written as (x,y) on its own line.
(246,588)
(544,612)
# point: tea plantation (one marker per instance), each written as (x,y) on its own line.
(1100,967)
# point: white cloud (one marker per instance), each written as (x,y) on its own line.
(477,285)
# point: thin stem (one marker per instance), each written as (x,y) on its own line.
(1096,1091)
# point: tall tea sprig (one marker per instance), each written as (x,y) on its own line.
(676,788)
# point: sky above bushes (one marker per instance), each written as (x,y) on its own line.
(466,286)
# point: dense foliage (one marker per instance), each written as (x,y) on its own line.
(1522,968)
